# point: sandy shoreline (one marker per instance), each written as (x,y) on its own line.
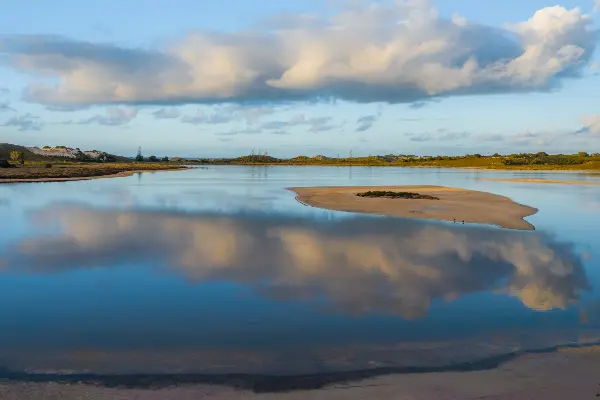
(121,174)
(544,181)
(453,204)
(567,373)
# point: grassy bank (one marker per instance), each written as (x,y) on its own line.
(35,170)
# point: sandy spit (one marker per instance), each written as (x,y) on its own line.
(454,205)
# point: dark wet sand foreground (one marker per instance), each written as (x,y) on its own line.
(453,205)
(567,374)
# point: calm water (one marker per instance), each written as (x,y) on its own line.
(219,269)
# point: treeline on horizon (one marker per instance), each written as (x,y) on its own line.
(539,160)
(474,160)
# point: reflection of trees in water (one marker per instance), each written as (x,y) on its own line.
(358,265)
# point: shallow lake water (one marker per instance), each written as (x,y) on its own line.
(219,269)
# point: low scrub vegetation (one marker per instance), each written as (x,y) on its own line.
(396,195)
(50,171)
(534,161)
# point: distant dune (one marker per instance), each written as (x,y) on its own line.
(54,153)
(66,152)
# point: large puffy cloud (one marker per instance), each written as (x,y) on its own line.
(359,265)
(403,52)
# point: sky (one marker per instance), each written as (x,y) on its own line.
(302,77)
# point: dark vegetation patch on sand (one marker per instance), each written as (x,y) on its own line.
(396,195)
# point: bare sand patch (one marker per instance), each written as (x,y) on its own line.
(454,204)
(546,181)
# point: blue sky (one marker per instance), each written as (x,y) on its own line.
(195,78)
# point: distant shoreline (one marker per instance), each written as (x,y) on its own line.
(454,204)
(116,174)
(543,181)
(481,168)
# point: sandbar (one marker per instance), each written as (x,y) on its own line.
(454,204)
(546,181)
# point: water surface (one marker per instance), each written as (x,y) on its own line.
(219,269)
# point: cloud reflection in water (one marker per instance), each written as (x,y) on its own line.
(356,266)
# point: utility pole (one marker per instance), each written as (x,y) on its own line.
(139,156)
(350,154)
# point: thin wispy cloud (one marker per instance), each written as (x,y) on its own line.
(277,127)
(591,125)
(167,113)
(25,122)
(441,135)
(234,132)
(490,137)
(365,123)
(314,124)
(5,107)
(215,118)
(523,141)
(64,108)
(363,55)
(229,113)
(113,116)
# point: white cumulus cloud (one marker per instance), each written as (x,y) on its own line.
(400,52)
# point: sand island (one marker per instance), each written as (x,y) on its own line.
(449,204)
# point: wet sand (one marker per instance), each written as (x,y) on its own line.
(546,181)
(566,374)
(453,204)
